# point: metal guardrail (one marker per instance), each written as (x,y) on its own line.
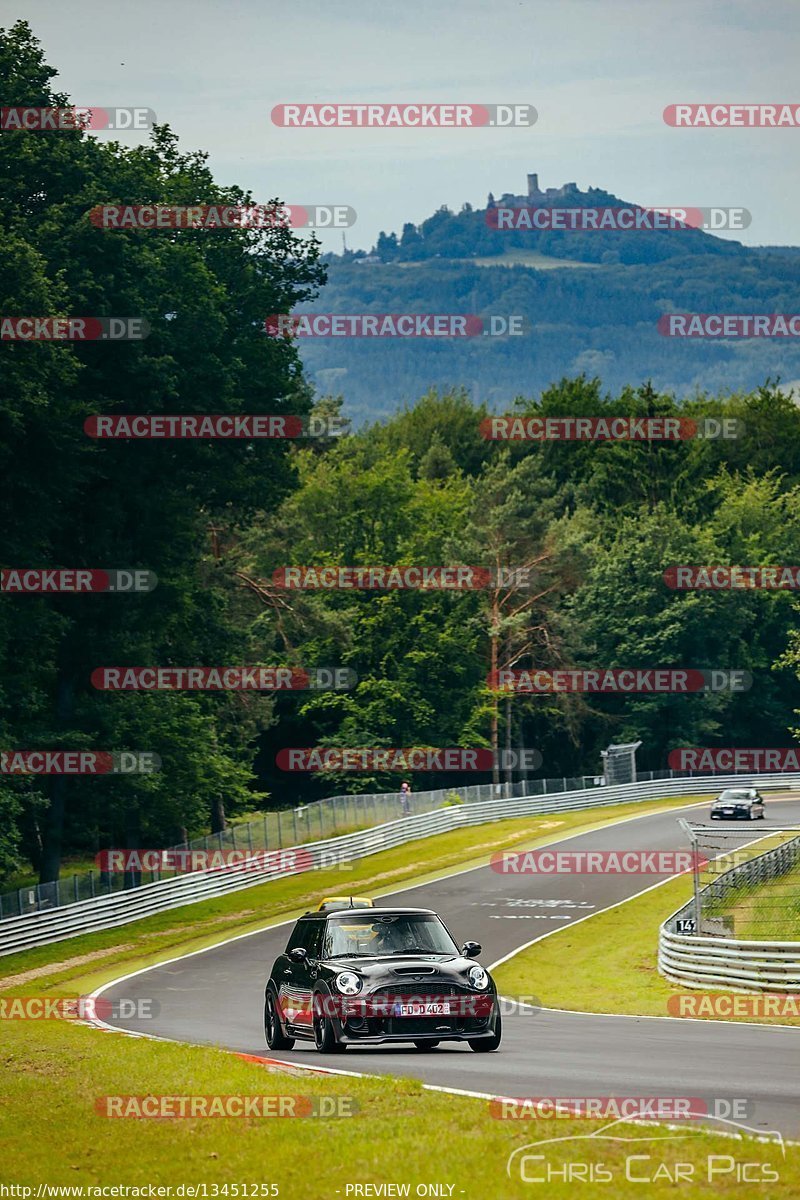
(703,960)
(109,912)
(296,826)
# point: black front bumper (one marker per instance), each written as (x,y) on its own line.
(474,1016)
(367,1039)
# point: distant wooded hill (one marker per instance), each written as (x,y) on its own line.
(591,303)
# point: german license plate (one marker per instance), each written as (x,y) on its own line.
(429,1009)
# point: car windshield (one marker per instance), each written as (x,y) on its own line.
(733,794)
(372,936)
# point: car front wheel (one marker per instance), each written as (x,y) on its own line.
(276,1038)
(484,1045)
(325,1038)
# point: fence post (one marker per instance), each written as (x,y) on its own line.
(294,824)
(266,833)
(698,903)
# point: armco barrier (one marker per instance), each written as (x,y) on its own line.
(108,912)
(279,830)
(706,961)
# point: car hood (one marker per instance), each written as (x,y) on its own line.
(398,967)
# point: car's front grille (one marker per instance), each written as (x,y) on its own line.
(424,988)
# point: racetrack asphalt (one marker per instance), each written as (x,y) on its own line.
(215,997)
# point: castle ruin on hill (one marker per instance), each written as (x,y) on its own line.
(534,196)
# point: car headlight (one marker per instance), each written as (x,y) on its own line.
(348,983)
(478,978)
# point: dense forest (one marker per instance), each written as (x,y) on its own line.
(215,520)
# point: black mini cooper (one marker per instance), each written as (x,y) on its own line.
(365,977)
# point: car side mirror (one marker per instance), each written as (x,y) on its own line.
(299,954)
(471,949)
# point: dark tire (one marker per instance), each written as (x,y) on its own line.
(426,1045)
(485,1045)
(276,1038)
(325,1038)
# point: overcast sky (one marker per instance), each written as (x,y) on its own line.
(599,72)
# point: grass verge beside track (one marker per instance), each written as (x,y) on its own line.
(54,1073)
(611,959)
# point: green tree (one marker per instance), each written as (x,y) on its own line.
(82,503)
